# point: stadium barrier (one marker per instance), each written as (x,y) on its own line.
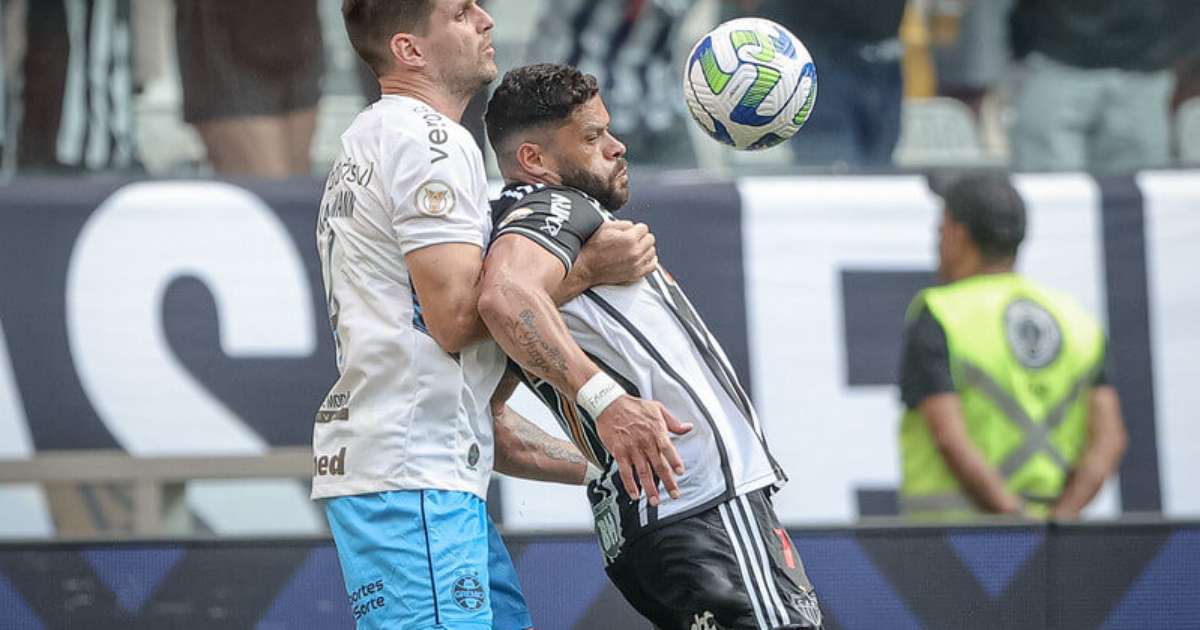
(1029,577)
(153,481)
(187,319)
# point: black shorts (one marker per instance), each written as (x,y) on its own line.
(259,58)
(732,567)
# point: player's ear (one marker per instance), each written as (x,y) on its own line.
(535,163)
(405,50)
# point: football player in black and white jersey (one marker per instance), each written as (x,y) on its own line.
(714,555)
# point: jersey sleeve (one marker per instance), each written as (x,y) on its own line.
(925,366)
(559,220)
(437,188)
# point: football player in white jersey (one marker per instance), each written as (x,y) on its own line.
(403,442)
(716,556)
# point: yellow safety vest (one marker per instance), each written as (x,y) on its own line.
(1023,360)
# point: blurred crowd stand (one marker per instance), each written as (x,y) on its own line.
(1095,86)
(264,89)
(69,84)
(251,78)
(856,46)
(633,49)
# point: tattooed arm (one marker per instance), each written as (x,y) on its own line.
(524,450)
(518,279)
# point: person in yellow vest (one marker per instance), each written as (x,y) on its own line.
(1008,405)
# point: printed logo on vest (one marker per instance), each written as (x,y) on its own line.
(1033,334)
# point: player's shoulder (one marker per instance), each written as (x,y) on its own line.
(559,198)
(399,123)
(561,203)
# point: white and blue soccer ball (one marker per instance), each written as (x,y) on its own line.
(750,83)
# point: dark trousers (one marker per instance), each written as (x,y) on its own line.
(856,119)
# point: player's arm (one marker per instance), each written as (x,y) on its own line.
(943,415)
(439,215)
(446,278)
(520,275)
(618,252)
(524,450)
(1106,445)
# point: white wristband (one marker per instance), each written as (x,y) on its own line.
(597,394)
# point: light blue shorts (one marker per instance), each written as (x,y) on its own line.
(424,559)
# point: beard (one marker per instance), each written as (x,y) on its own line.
(611,195)
(466,81)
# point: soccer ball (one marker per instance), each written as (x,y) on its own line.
(750,83)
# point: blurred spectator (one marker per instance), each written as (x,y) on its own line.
(1096,85)
(251,75)
(1187,84)
(1008,406)
(855,45)
(916,64)
(69,87)
(628,46)
(1185,19)
(971,48)
(12,44)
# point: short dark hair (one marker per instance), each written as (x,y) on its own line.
(370,25)
(991,209)
(534,96)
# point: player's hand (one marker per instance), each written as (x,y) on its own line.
(619,252)
(638,434)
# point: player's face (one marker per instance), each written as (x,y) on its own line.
(590,158)
(459,45)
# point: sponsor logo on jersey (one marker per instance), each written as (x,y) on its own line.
(607,516)
(560,212)
(349,172)
(469,593)
(336,406)
(436,124)
(515,215)
(435,198)
(367,598)
(1033,334)
(333,465)
(705,621)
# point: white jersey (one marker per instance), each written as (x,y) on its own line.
(404,414)
(648,338)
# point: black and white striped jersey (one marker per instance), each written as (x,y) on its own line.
(70,102)
(649,338)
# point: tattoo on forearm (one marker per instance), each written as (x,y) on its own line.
(552,448)
(543,357)
(556,451)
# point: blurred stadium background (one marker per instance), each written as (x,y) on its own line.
(163,345)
